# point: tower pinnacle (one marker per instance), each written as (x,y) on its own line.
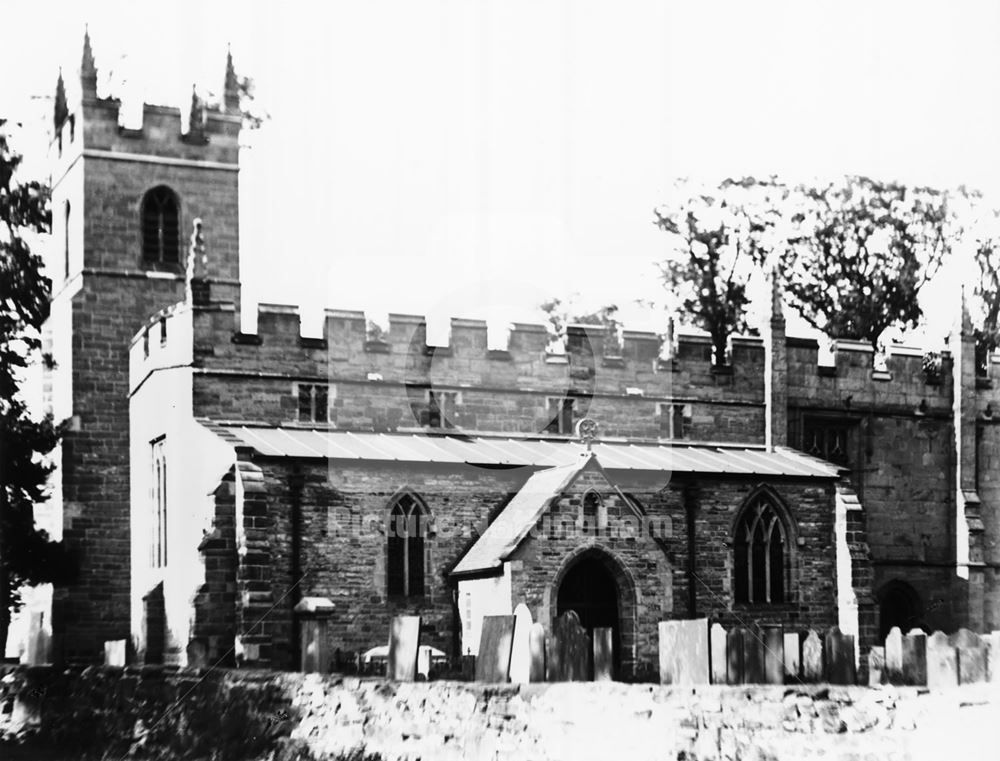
(231,97)
(60,111)
(88,69)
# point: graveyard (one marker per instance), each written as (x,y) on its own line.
(534,692)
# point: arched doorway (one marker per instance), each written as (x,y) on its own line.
(899,605)
(589,587)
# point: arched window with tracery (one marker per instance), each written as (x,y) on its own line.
(160,226)
(405,547)
(760,562)
(592,511)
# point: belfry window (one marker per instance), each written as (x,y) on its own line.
(405,548)
(760,555)
(160,231)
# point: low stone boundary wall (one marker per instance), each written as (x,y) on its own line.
(153,712)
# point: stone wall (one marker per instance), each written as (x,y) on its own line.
(155,713)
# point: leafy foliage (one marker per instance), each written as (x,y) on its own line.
(858,252)
(559,315)
(717,239)
(27,556)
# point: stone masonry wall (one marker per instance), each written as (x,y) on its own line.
(155,713)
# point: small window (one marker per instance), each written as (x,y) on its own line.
(675,420)
(66,218)
(560,411)
(760,555)
(405,548)
(313,403)
(160,231)
(827,439)
(441,406)
(593,515)
(158,507)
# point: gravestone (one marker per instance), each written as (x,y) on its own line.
(992,641)
(735,672)
(774,655)
(971,656)
(404,641)
(684,652)
(812,658)
(114,652)
(603,655)
(894,656)
(753,657)
(314,626)
(841,667)
(197,654)
(717,646)
(793,656)
(536,647)
(876,666)
(495,644)
(520,651)
(568,650)
(915,658)
(942,662)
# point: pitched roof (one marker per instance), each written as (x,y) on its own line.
(737,459)
(516,519)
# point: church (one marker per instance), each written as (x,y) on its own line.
(214,479)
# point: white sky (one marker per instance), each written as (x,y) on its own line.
(475,158)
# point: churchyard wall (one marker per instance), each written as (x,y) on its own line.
(162,713)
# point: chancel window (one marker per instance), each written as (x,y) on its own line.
(560,411)
(313,402)
(405,530)
(160,227)
(760,555)
(158,507)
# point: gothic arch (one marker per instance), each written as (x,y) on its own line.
(407,520)
(899,605)
(597,555)
(763,539)
(160,231)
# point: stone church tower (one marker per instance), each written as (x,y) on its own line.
(123,203)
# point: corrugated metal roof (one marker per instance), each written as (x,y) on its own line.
(423,448)
(508,529)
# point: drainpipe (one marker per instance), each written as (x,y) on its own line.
(690,506)
(295,481)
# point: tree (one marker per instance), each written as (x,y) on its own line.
(858,252)
(717,239)
(27,555)
(560,315)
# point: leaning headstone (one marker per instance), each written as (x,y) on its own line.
(942,662)
(404,642)
(520,650)
(971,656)
(774,655)
(915,659)
(568,650)
(753,658)
(876,666)
(717,646)
(603,654)
(734,655)
(114,652)
(793,656)
(894,656)
(812,658)
(841,666)
(536,647)
(495,644)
